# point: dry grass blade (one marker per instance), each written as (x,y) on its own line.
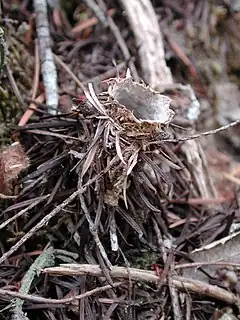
(118,148)
(92,149)
(131,222)
(132,160)
(89,160)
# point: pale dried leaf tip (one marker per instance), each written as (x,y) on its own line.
(146,104)
(128,73)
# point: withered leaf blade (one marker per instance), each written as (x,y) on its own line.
(118,148)
(89,159)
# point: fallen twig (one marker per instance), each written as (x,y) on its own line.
(97,11)
(15,87)
(45,220)
(177,312)
(89,22)
(49,72)
(148,35)
(117,34)
(180,283)
(69,71)
(23,211)
(203,134)
(40,99)
(29,297)
(207,263)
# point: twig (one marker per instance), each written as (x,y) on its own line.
(46,219)
(20,213)
(108,74)
(82,301)
(28,113)
(46,258)
(4,196)
(181,54)
(3,50)
(117,34)
(15,87)
(207,263)
(49,72)
(180,283)
(29,297)
(175,299)
(32,107)
(97,11)
(203,134)
(69,71)
(231,178)
(113,233)
(89,22)
(145,26)
(54,134)
(91,227)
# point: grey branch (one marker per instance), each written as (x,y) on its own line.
(179,283)
(48,68)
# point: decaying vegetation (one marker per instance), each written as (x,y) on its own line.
(110,207)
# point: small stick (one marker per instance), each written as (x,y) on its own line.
(23,211)
(203,134)
(69,71)
(117,34)
(97,11)
(46,258)
(89,23)
(29,297)
(177,313)
(29,112)
(49,71)
(46,219)
(15,87)
(91,226)
(207,263)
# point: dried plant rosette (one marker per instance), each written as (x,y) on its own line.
(128,116)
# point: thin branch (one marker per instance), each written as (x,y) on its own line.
(181,283)
(146,29)
(29,297)
(93,231)
(97,11)
(69,71)
(117,34)
(177,313)
(32,107)
(203,134)
(15,87)
(20,213)
(207,263)
(46,219)
(48,68)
